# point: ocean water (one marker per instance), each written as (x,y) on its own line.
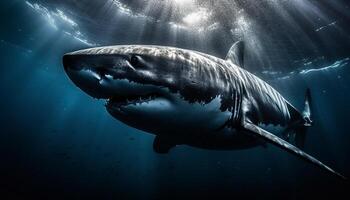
(57,142)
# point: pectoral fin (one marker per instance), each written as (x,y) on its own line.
(163,144)
(254,129)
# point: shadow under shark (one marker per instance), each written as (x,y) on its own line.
(187,97)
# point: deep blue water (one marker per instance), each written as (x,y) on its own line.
(56,141)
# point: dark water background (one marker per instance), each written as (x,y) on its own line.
(57,142)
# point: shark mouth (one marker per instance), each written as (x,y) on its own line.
(122,101)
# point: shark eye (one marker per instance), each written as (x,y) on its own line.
(134,60)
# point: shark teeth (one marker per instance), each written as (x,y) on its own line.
(130,100)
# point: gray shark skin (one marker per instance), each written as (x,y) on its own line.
(187,97)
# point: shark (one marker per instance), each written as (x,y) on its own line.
(186,97)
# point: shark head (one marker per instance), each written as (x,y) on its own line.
(151,88)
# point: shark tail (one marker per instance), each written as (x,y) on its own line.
(307,109)
(296,132)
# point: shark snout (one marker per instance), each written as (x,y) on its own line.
(105,76)
(89,78)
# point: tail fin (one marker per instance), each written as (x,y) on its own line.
(307,109)
(296,132)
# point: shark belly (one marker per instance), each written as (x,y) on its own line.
(196,124)
(203,125)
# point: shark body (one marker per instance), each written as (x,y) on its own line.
(188,97)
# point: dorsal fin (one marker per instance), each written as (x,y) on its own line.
(236,54)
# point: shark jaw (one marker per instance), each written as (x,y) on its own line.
(120,94)
(121,105)
(120,101)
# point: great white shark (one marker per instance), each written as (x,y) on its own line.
(187,97)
